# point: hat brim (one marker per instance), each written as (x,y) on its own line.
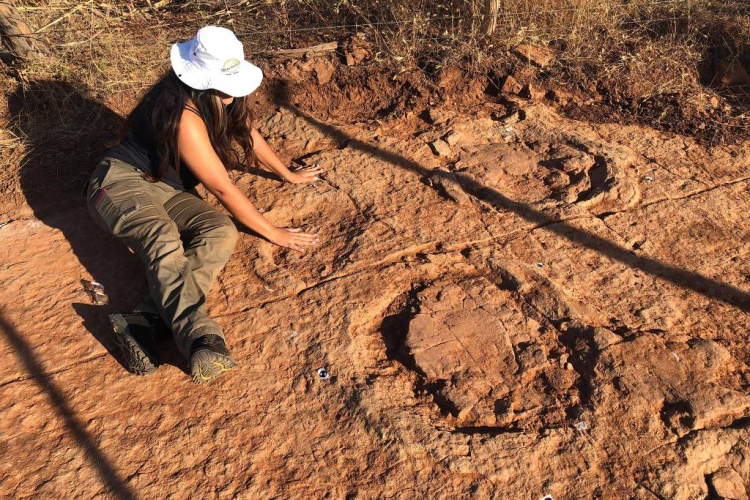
(245,81)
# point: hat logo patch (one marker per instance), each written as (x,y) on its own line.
(231,67)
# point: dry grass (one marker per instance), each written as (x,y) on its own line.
(636,51)
(658,45)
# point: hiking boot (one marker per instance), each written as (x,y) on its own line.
(209,358)
(134,335)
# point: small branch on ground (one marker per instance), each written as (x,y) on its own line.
(323,48)
(67,14)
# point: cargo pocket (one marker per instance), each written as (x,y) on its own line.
(115,207)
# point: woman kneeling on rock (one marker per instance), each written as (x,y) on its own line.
(180,135)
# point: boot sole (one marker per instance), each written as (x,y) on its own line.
(137,359)
(206,365)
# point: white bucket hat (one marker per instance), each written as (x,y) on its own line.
(214,59)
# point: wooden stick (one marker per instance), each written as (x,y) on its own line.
(315,49)
(490,16)
(161,3)
(23,8)
(70,12)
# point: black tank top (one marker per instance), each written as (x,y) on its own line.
(138,148)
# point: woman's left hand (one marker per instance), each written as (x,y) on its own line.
(304,174)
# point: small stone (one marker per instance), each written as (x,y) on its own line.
(532,92)
(604,338)
(441,148)
(356,50)
(728,484)
(534,54)
(569,366)
(453,138)
(440,116)
(511,85)
(323,70)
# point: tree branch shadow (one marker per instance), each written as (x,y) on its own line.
(116,485)
(681,277)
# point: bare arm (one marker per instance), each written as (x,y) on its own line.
(199,156)
(268,158)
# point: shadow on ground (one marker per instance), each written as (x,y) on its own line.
(681,277)
(116,485)
(66,131)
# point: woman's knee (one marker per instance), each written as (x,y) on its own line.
(224,232)
(156,241)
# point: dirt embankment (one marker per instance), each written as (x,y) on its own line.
(511,303)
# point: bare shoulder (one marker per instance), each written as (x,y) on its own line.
(192,125)
(196,150)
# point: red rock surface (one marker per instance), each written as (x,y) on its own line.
(555,308)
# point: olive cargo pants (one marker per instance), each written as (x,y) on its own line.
(149,218)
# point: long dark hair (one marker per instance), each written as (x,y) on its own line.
(159,113)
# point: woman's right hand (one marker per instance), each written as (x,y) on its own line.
(293,238)
(304,174)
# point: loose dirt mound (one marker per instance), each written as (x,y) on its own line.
(509,303)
